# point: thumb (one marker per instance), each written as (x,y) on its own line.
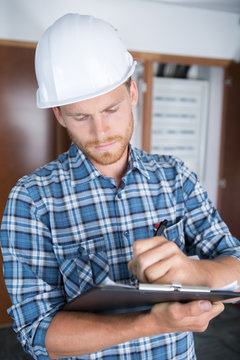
(130,265)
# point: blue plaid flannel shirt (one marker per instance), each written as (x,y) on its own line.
(66,227)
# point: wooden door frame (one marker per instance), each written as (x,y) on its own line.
(23,44)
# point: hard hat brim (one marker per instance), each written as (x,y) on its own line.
(50,104)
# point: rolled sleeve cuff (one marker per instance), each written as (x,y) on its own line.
(32,337)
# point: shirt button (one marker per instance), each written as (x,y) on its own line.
(81,249)
(119,195)
(126,234)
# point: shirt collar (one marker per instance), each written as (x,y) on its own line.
(135,162)
(82,170)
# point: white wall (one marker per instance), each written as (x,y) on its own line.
(145,26)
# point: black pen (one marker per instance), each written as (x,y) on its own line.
(161,228)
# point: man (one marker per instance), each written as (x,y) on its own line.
(91,214)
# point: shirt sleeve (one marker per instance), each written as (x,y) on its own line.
(206,233)
(31,271)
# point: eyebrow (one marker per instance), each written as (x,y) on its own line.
(105,109)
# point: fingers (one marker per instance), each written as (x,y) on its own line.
(192,316)
(140,246)
(163,271)
(194,309)
(208,312)
(142,265)
(153,258)
(179,311)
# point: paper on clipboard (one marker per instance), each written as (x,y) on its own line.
(113,297)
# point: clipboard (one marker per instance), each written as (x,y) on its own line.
(124,298)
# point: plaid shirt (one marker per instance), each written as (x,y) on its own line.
(66,227)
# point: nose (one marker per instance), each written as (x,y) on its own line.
(100,125)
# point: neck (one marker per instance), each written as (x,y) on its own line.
(116,170)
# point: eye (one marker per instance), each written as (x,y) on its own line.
(112,110)
(80,117)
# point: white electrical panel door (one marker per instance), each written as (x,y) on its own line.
(179,120)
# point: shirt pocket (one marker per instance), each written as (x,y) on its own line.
(175,233)
(82,265)
(96,253)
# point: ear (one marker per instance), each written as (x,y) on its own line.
(58,115)
(133,93)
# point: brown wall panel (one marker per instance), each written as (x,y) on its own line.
(27,134)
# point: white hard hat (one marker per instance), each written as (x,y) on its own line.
(79,57)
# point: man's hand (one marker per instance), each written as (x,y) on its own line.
(157,260)
(192,316)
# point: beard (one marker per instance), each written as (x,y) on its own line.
(105,157)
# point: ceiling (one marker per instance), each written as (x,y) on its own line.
(232,6)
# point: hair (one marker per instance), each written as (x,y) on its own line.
(127,83)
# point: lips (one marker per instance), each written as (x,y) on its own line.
(105,146)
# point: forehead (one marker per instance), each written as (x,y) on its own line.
(98,103)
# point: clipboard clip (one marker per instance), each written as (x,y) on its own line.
(174,287)
(177,286)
